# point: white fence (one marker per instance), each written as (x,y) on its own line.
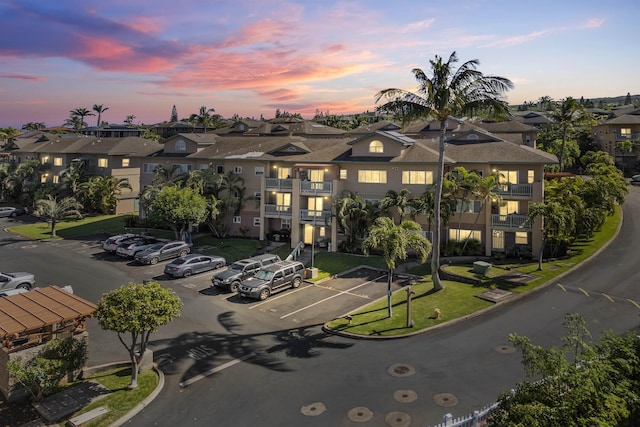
(477,419)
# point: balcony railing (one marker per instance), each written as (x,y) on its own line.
(277,211)
(278,184)
(309,187)
(319,217)
(627,136)
(510,222)
(515,190)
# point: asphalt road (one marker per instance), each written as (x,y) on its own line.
(230,361)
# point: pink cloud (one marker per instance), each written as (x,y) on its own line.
(146,24)
(22,77)
(262,32)
(594,23)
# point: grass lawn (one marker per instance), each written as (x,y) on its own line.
(121,400)
(330,263)
(73,227)
(229,248)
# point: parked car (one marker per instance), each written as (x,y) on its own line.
(273,278)
(129,249)
(240,270)
(193,264)
(111,244)
(20,280)
(11,211)
(635,180)
(161,251)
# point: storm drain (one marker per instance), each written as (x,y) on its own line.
(314,409)
(398,419)
(405,396)
(360,414)
(401,370)
(446,400)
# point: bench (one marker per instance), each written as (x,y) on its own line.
(87,416)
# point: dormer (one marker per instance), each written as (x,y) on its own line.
(382,144)
(472,137)
(290,149)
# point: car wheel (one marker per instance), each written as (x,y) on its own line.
(13,215)
(187,273)
(219,265)
(264,294)
(23,286)
(296,282)
(183,252)
(234,287)
(154,260)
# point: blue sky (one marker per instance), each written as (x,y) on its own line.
(141,57)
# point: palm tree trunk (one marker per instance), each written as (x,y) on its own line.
(53,227)
(435,254)
(389,314)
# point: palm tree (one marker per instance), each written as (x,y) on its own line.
(448,91)
(74,122)
(204,117)
(486,191)
(73,176)
(395,240)
(352,214)
(565,114)
(99,108)
(53,210)
(101,192)
(556,221)
(81,113)
(129,119)
(461,184)
(33,126)
(399,200)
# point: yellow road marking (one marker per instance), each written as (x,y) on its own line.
(584,292)
(562,287)
(633,302)
(608,297)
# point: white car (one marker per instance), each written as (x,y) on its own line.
(111,244)
(129,249)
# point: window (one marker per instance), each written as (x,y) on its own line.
(125,163)
(182,168)
(522,238)
(285,223)
(530,176)
(314,205)
(372,176)
(257,196)
(259,170)
(509,207)
(256,221)
(237,220)
(56,179)
(459,235)
(44,160)
(625,133)
(103,162)
(283,173)
(237,169)
(510,177)
(180,145)
(497,240)
(283,201)
(43,178)
(57,161)
(316,175)
(343,174)
(149,167)
(220,169)
(468,206)
(376,147)
(417,177)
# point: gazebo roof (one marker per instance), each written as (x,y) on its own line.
(40,308)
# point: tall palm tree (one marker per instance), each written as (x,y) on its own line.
(352,214)
(101,192)
(448,91)
(486,191)
(566,114)
(399,200)
(53,210)
(395,240)
(203,117)
(81,113)
(99,108)
(129,119)
(556,221)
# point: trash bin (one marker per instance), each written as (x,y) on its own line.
(312,273)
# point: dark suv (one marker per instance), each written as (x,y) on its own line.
(274,278)
(240,270)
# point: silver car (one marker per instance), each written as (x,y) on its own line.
(111,244)
(18,280)
(161,251)
(193,264)
(11,211)
(129,248)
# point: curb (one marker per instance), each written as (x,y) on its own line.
(497,305)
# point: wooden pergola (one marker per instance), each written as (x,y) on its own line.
(35,317)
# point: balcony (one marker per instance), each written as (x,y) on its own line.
(633,136)
(309,187)
(278,184)
(313,216)
(515,190)
(277,211)
(511,222)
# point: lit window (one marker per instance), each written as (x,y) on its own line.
(343,174)
(283,201)
(259,170)
(237,220)
(417,177)
(625,133)
(530,176)
(103,162)
(459,235)
(510,177)
(56,179)
(44,160)
(376,147)
(316,175)
(509,207)
(125,163)
(283,173)
(43,178)
(180,145)
(57,161)
(372,176)
(522,238)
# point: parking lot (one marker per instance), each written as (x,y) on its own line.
(311,303)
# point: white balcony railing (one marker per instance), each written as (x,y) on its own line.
(513,222)
(309,187)
(277,211)
(278,184)
(518,190)
(319,217)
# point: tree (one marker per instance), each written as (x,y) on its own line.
(179,208)
(99,108)
(73,176)
(627,99)
(53,210)
(399,200)
(138,310)
(580,383)
(352,214)
(557,220)
(129,119)
(174,114)
(566,114)
(394,241)
(486,190)
(100,193)
(81,113)
(447,92)
(204,117)
(33,126)
(7,134)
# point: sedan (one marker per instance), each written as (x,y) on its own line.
(19,280)
(161,251)
(193,264)
(129,248)
(111,244)
(11,211)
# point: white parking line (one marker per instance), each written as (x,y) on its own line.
(333,296)
(214,370)
(282,295)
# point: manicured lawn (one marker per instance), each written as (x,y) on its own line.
(73,227)
(231,249)
(122,400)
(330,263)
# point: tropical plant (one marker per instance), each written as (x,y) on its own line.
(33,126)
(53,210)
(204,117)
(395,241)
(565,114)
(485,190)
(353,217)
(448,91)
(129,119)
(557,222)
(100,193)
(99,108)
(399,200)
(179,208)
(81,113)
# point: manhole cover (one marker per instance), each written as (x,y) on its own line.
(28,246)
(401,370)
(446,400)
(398,419)
(405,396)
(313,409)
(360,414)
(505,348)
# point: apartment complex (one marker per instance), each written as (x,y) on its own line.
(292,179)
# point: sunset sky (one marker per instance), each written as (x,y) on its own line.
(141,57)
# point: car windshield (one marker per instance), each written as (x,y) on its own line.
(264,275)
(179,261)
(237,266)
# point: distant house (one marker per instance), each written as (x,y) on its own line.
(612,132)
